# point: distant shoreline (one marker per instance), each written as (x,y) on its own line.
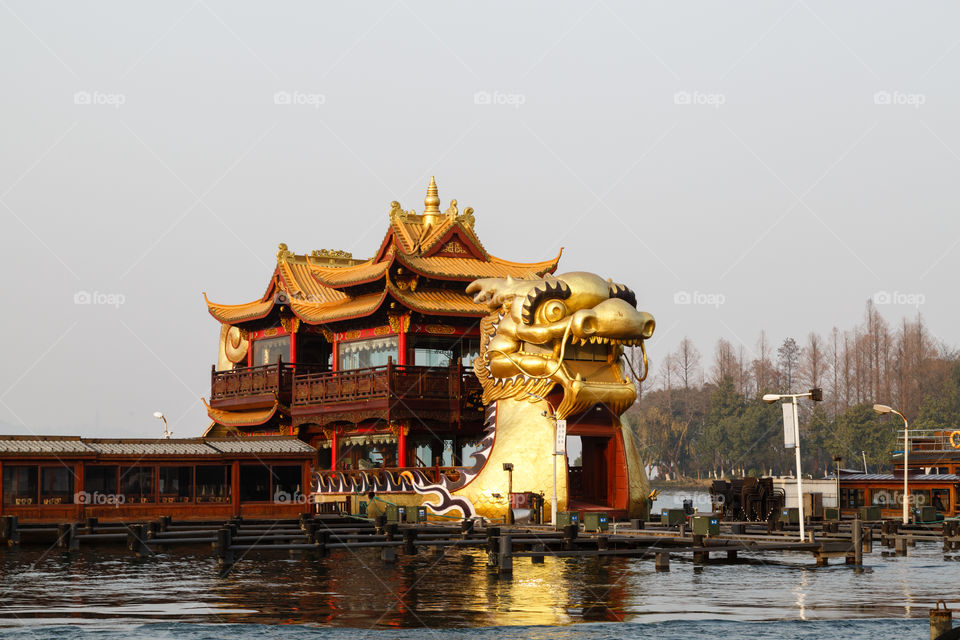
(681,484)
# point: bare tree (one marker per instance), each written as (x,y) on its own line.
(724,362)
(813,361)
(687,359)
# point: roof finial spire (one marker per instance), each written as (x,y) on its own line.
(431,204)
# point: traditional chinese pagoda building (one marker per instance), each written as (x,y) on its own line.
(367,360)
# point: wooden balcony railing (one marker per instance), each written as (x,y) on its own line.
(390,382)
(251,381)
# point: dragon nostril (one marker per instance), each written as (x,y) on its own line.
(585,323)
(648,328)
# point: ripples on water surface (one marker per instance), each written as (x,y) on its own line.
(181,594)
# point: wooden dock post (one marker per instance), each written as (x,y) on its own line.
(857,538)
(900,545)
(223,547)
(569,535)
(699,557)
(540,548)
(409,536)
(493,547)
(63,535)
(506,556)
(9,531)
(663,561)
(91,525)
(731,555)
(74,540)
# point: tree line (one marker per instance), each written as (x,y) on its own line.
(702,418)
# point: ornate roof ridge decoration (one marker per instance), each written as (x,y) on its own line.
(437,245)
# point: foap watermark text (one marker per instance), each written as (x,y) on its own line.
(699,297)
(99,298)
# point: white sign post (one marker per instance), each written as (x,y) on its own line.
(561,445)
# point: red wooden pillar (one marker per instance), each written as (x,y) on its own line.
(235,487)
(250,353)
(334,442)
(293,347)
(402,348)
(334,364)
(402,447)
(79,484)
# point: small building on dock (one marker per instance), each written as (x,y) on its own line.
(69,479)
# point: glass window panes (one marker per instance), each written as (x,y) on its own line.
(56,485)
(213,483)
(270,350)
(287,481)
(176,484)
(100,479)
(136,484)
(19,484)
(362,354)
(254,483)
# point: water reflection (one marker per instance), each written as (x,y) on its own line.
(453,590)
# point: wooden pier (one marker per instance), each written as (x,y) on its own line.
(318,535)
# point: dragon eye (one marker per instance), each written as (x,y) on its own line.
(554,310)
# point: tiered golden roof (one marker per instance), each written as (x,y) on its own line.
(331,286)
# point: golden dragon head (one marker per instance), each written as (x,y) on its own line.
(567,330)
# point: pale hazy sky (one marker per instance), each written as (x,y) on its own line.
(778,162)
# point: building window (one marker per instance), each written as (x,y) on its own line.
(270,350)
(254,483)
(19,484)
(136,484)
(941,499)
(213,483)
(176,484)
(362,354)
(100,480)
(287,483)
(851,498)
(56,485)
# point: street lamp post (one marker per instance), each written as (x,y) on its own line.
(816,395)
(159,416)
(882,408)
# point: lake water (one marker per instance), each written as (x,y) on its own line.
(110,593)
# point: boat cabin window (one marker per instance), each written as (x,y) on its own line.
(287,483)
(19,484)
(313,349)
(56,485)
(362,354)
(137,484)
(254,483)
(176,484)
(433,352)
(881,498)
(213,483)
(270,350)
(100,479)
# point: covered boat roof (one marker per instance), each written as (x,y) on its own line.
(322,287)
(39,446)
